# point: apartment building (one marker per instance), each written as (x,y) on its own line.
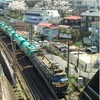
(88,17)
(83,5)
(94,29)
(93,8)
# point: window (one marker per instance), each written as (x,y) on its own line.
(96,28)
(91,7)
(40,19)
(66,21)
(47,31)
(71,21)
(32,14)
(79,2)
(56,78)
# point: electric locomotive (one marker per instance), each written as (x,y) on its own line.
(52,71)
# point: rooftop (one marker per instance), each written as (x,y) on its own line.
(63,26)
(44,24)
(72,17)
(49,25)
(90,14)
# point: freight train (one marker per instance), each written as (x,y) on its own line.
(51,73)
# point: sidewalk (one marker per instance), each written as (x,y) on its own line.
(88,74)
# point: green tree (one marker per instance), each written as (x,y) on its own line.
(75,34)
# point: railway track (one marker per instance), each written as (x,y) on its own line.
(35,83)
(29,73)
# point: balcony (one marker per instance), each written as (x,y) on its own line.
(90,29)
(82,20)
(96,31)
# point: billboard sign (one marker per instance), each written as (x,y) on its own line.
(64,33)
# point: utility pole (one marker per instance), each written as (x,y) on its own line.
(78,58)
(30,33)
(52,2)
(68,59)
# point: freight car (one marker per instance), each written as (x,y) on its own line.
(25,46)
(52,75)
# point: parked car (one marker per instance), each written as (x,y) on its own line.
(92,49)
(62,47)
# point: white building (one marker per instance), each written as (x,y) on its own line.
(86,62)
(82,5)
(53,13)
(94,29)
(93,8)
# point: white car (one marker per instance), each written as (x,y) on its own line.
(92,49)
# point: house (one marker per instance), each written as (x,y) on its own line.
(94,29)
(87,18)
(4,4)
(72,20)
(48,31)
(64,32)
(37,16)
(93,8)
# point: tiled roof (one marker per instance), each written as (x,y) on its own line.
(72,17)
(21,32)
(53,27)
(44,24)
(49,25)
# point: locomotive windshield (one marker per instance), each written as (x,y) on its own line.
(63,76)
(60,77)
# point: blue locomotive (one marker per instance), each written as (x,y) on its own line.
(52,72)
(56,77)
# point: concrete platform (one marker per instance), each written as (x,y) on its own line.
(7,91)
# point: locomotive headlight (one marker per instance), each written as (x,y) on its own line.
(54,84)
